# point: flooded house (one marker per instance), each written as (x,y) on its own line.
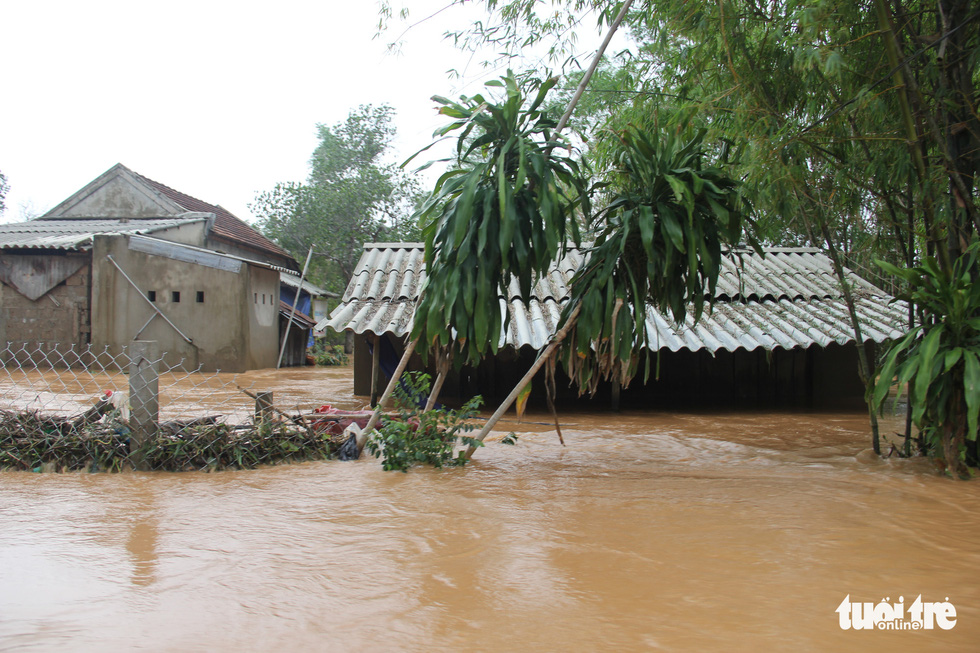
(779,332)
(127,258)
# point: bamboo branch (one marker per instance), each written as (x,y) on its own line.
(386,395)
(541,360)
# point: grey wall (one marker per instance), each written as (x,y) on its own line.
(229,331)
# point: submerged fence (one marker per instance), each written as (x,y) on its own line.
(102,411)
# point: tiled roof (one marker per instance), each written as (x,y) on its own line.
(77,234)
(789,298)
(226,225)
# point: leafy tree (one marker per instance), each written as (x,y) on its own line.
(504,210)
(658,242)
(351,196)
(4,188)
(856,123)
(940,360)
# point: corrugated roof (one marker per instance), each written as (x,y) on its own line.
(74,234)
(300,319)
(790,298)
(292,280)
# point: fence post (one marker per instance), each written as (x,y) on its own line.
(263,408)
(144,399)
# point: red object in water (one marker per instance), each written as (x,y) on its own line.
(334,421)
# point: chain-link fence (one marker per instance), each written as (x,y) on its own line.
(68,410)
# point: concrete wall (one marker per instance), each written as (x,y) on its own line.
(211,306)
(194,234)
(262,306)
(60,318)
(116,198)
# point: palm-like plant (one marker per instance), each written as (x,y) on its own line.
(658,242)
(504,211)
(940,358)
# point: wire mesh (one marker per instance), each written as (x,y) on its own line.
(101,410)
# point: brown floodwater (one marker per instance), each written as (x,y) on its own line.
(732,531)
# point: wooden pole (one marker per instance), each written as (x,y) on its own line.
(443,370)
(392,384)
(263,409)
(538,364)
(292,312)
(375,370)
(595,64)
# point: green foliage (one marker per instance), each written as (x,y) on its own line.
(4,189)
(658,243)
(939,359)
(352,196)
(426,438)
(503,211)
(327,354)
(857,123)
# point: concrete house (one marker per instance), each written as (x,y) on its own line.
(779,331)
(128,258)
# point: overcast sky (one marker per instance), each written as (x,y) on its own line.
(218,100)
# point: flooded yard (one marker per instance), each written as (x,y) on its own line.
(734,531)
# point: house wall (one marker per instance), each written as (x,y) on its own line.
(815,377)
(262,302)
(194,234)
(117,198)
(227,331)
(59,319)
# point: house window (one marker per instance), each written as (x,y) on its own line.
(175,297)
(263,298)
(151,295)
(200,296)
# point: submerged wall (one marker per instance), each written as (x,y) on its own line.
(814,377)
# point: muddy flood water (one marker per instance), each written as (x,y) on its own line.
(684,531)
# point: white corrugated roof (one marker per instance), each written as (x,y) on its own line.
(790,298)
(77,233)
(292,280)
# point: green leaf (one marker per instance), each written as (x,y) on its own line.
(927,373)
(971,390)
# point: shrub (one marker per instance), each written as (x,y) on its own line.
(418,437)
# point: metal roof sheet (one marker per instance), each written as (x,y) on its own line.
(790,298)
(74,234)
(292,280)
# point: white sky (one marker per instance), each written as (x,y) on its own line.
(216,99)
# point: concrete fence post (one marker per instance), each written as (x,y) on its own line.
(144,398)
(263,408)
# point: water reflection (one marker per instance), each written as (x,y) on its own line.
(142,547)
